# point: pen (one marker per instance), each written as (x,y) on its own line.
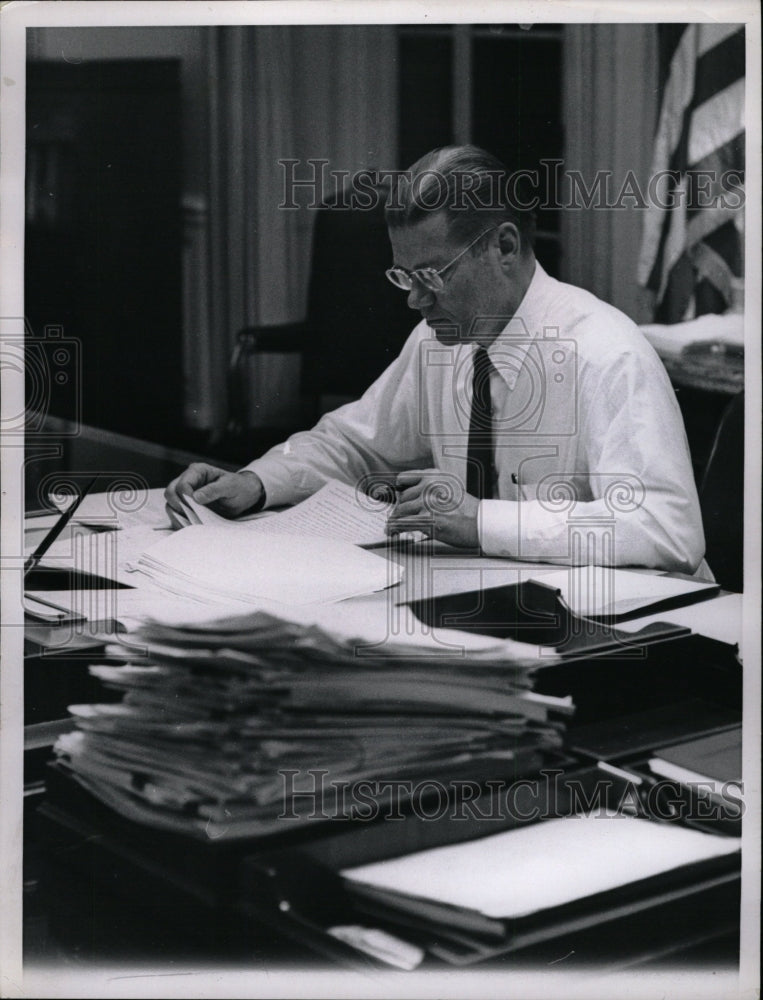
(57,528)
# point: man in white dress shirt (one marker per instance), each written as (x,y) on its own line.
(583,454)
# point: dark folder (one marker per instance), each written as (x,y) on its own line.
(534,613)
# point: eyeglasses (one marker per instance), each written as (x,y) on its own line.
(429,277)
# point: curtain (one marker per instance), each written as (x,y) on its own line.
(277,93)
(609,83)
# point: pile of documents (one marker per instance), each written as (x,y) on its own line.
(672,340)
(311,553)
(232,563)
(249,725)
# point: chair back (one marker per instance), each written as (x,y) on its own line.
(721,497)
(357,321)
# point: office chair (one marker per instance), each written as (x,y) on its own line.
(283,378)
(357,321)
(721,498)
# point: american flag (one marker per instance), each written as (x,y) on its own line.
(692,249)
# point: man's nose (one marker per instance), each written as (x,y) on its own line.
(420,297)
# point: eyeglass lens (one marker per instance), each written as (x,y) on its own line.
(428,277)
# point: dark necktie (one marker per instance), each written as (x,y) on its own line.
(480,469)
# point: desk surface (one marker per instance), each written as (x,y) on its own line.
(430,569)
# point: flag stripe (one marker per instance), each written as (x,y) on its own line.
(668,41)
(710,266)
(718,68)
(672,305)
(725,241)
(701,125)
(671,143)
(729,157)
(713,34)
(706,222)
(716,122)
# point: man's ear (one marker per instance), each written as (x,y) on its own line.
(509,242)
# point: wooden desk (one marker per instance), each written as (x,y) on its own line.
(106,890)
(90,873)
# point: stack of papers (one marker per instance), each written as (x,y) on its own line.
(235,728)
(107,554)
(670,341)
(306,554)
(224,562)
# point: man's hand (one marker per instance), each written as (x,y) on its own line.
(435,503)
(227,493)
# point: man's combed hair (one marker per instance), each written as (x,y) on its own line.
(469,185)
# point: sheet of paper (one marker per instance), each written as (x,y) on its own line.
(532,868)
(670,339)
(34,534)
(226,561)
(335,511)
(118,508)
(40,525)
(604,590)
(197,513)
(131,608)
(719,618)
(103,553)
(378,627)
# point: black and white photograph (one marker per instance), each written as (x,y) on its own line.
(381,495)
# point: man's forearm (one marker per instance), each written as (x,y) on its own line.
(661,535)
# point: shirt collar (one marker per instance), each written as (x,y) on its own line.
(509,349)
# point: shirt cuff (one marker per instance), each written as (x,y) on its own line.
(498,528)
(277,480)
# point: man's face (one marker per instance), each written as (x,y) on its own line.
(471,303)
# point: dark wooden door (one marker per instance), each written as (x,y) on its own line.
(103,239)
